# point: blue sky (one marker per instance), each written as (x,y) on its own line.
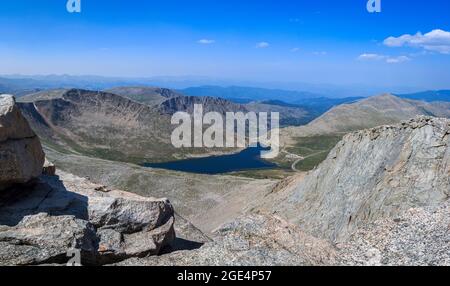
(321,41)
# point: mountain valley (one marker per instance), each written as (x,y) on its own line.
(319,212)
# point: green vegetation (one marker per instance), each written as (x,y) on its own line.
(314,150)
(313,161)
(277,173)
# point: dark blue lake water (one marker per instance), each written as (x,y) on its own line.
(248,159)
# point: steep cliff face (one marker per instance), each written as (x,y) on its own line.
(210,104)
(21,155)
(369,175)
(151,96)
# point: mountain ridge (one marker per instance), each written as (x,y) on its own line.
(371,174)
(370,112)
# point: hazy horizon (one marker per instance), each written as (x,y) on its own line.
(186,82)
(312,42)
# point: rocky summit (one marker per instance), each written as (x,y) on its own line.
(250,240)
(370,175)
(42,223)
(21,155)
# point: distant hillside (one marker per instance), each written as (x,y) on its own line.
(22,84)
(146,95)
(323,104)
(17,87)
(168,101)
(290,114)
(429,96)
(249,93)
(114,127)
(370,112)
(210,104)
(99,124)
(43,95)
(314,141)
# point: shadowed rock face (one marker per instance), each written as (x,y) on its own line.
(21,155)
(42,223)
(251,240)
(45,239)
(371,174)
(210,104)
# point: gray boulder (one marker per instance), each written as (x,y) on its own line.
(253,240)
(116,225)
(419,237)
(21,155)
(44,239)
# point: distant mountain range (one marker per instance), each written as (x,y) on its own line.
(430,96)
(249,93)
(16,84)
(169,101)
(368,113)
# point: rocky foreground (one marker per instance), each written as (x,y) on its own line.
(381,198)
(42,220)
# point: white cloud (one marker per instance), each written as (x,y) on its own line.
(371,57)
(206,41)
(436,41)
(387,59)
(262,45)
(397,60)
(294,50)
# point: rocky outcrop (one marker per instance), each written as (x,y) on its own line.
(210,104)
(259,240)
(419,237)
(42,223)
(45,239)
(21,155)
(370,175)
(49,168)
(151,96)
